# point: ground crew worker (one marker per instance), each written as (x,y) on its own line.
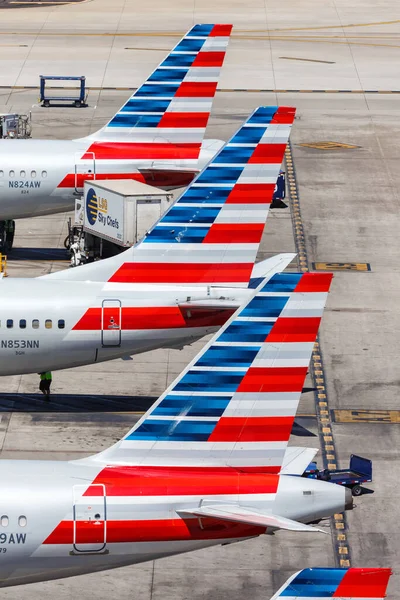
(45,383)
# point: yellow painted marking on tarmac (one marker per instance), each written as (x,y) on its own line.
(339,525)
(333,266)
(341,537)
(315,28)
(367,416)
(328,145)
(344,563)
(313,60)
(343,550)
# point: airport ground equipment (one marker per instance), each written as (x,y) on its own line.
(47,97)
(7,231)
(358,472)
(113,215)
(280,192)
(3,265)
(13,125)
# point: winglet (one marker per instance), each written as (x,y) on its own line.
(346,584)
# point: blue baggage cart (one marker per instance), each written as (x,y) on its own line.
(359,472)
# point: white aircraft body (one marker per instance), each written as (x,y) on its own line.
(184,279)
(208,464)
(156,137)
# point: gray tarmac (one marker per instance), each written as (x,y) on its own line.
(349,203)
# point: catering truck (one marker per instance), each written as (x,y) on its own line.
(113,215)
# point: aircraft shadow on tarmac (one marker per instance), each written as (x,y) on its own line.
(38,254)
(74,403)
(91,403)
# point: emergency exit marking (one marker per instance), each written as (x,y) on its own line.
(338,266)
(329,146)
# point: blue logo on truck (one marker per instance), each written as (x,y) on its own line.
(92,208)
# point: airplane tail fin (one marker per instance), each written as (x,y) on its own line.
(166,118)
(211,234)
(234,405)
(346,584)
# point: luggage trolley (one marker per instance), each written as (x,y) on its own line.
(78,101)
(358,472)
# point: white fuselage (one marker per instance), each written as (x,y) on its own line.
(51,324)
(58,521)
(40,177)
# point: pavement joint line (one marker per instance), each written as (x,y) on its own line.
(223,90)
(323,413)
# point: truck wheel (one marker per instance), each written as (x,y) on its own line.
(356,490)
(46,103)
(77,103)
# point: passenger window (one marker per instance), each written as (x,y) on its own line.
(12,174)
(22,324)
(61,324)
(35,324)
(22,174)
(10,323)
(48,324)
(33,174)
(44,174)
(22,521)
(4,521)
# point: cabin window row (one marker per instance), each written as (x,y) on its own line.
(23,174)
(22,521)
(23,324)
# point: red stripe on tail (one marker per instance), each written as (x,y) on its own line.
(273,379)
(221,233)
(294,329)
(284,115)
(314,282)
(252,429)
(196,89)
(363,583)
(268,153)
(251,193)
(175,119)
(222,30)
(209,59)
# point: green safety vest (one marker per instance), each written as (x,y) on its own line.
(45,376)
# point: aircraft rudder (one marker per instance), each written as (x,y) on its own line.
(212,233)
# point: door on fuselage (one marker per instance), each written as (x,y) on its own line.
(111,315)
(85,170)
(89,512)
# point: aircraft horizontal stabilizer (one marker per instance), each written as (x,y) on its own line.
(239,514)
(270,266)
(297,460)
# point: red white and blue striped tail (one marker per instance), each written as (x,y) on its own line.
(166,118)
(235,404)
(348,584)
(211,234)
